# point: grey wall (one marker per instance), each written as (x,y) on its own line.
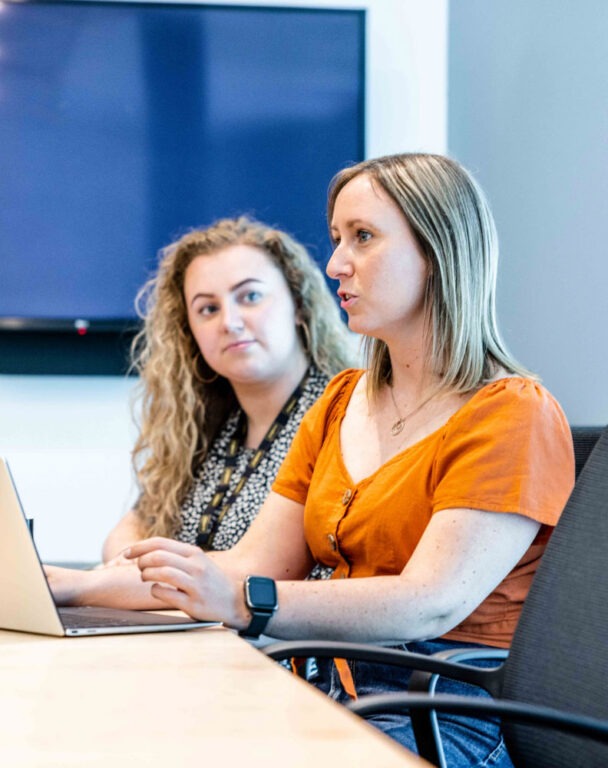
(528,114)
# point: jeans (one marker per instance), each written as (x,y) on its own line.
(467,743)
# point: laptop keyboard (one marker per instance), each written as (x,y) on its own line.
(76,619)
(85,617)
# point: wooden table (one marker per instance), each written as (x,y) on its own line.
(200,698)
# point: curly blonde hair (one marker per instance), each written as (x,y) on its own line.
(183,403)
(451,219)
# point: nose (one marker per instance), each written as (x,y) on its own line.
(338,265)
(232,320)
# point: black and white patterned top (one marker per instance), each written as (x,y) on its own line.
(247,504)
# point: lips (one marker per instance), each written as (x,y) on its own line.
(347,299)
(236,345)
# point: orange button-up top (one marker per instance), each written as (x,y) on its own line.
(508,449)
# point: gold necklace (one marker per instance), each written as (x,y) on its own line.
(397,426)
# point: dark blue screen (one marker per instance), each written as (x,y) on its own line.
(124,125)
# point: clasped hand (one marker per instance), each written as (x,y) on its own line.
(185,578)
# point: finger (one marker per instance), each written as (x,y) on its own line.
(173,577)
(159,558)
(177,600)
(160,543)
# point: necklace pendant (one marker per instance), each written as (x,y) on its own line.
(397,427)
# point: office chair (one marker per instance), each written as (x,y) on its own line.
(556,671)
(584,440)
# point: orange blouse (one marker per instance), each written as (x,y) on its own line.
(508,449)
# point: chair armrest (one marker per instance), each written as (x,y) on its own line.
(425,681)
(472,654)
(378,654)
(513,711)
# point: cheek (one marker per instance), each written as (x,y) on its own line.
(409,279)
(283,336)
(278,318)
(202,337)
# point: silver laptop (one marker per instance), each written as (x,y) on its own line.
(26,601)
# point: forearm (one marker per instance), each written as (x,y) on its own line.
(380,609)
(114,587)
(462,557)
(244,560)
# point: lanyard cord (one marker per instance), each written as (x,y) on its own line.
(218,506)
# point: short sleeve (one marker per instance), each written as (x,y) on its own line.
(508,450)
(294,476)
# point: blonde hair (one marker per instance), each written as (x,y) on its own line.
(450,217)
(183,401)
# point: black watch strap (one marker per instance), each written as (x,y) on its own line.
(261,599)
(257,624)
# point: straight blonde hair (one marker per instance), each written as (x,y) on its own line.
(451,219)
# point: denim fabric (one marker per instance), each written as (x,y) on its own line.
(467,743)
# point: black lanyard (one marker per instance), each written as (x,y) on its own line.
(218,506)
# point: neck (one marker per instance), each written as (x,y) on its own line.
(262,402)
(410,374)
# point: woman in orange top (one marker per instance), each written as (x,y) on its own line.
(429,482)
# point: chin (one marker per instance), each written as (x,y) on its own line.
(358,325)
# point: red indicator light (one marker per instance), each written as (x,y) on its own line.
(81,326)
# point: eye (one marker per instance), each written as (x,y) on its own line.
(363,235)
(251,296)
(206,310)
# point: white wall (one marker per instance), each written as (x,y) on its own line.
(68,438)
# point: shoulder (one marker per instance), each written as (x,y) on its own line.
(332,402)
(513,400)
(509,448)
(343,383)
(513,416)
(339,390)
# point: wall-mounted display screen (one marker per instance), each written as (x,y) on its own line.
(123,125)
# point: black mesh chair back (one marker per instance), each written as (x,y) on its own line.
(559,654)
(584,440)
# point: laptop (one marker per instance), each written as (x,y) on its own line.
(26,601)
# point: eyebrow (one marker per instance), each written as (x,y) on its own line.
(351,223)
(235,287)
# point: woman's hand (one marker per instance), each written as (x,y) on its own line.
(118,586)
(185,578)
(115,561)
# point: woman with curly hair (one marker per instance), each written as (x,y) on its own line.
(240,337)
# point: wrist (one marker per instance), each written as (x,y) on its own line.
(260,603)
(66,584)
(242,614)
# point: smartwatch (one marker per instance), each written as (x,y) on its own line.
(261,599)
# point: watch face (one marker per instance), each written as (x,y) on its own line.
(261,593)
